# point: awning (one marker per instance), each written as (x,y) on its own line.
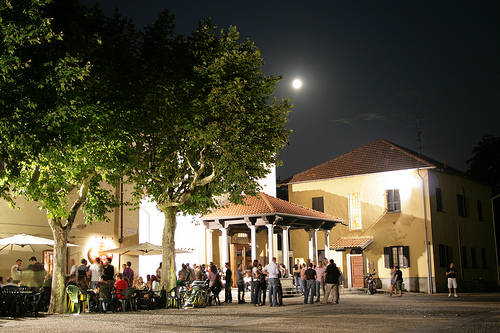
(351,243)
(26,243)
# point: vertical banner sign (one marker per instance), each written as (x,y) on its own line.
(354,211)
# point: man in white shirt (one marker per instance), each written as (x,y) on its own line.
(72,266)
(95,273)
(273,272)
(16,271)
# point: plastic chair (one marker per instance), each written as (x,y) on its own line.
(129,300)
(10,301)
(73,294)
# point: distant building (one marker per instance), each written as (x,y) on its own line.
(389,196)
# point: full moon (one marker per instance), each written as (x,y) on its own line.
(297,84)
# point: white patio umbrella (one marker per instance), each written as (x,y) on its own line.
(142,249)
(23,242)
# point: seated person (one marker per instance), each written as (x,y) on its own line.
(10,282)
(155,286)
(120,286)
(72,280)
(139,284)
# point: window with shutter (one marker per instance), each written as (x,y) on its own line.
(461,205)
(397,256)
(406,256)
(387,257)
(318,204)
(464,257)
(473,259)
(479,210)
(393,201)
(439,200)
(483,258)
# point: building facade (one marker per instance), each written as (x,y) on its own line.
(402,209)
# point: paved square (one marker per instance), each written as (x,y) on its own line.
(355,313)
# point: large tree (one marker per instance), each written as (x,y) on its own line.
(72,141)
(209,124)
(484,164)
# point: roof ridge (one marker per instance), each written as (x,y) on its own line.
(325,162)
(268,204)
(403,150)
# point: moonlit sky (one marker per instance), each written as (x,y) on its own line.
(369,69)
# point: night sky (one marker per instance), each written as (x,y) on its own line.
(370,69)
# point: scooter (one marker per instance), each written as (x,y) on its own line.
(370,283)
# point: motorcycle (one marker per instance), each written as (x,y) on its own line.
(197,295)
(370,283)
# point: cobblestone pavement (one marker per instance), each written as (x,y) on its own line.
(355,313)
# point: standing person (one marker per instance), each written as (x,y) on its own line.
(108,271)
(82,270)
(303,278)
(273,273)
(255,287)
(34,275)
(95,273)
(399,281)
(228,297)
(183,273)
(332,280)
(263,285)
(72,266)
(320,280)
(16,271)
(296,277)
(394,288)
(240,282)
(451,274)
(310,283)
(158,272)
(129,273)
(191,272)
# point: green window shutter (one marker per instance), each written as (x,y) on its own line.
(387,257)
(406,256)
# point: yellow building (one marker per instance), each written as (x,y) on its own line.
(395,202)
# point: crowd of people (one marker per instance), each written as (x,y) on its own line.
(311,279)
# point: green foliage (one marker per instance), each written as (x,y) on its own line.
(484,164)
(209,125)
(60,105)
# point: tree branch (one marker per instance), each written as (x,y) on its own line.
(83,192)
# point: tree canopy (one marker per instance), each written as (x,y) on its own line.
(484,164)
(62,108)
(209,125)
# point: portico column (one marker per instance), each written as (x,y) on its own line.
(285,245)
(311,244)
(315,246)
(210,253)
(253,242)
(270,231)
(224,250)
(327,244)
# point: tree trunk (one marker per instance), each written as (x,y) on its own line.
(168,279)
(58,292)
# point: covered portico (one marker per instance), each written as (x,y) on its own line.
(239,225)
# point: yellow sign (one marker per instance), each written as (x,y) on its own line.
(354,212)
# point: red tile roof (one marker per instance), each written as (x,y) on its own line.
(351,242)
(263,204)
(378,156)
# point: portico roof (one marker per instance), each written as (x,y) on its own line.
(266,206)
(351,243)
